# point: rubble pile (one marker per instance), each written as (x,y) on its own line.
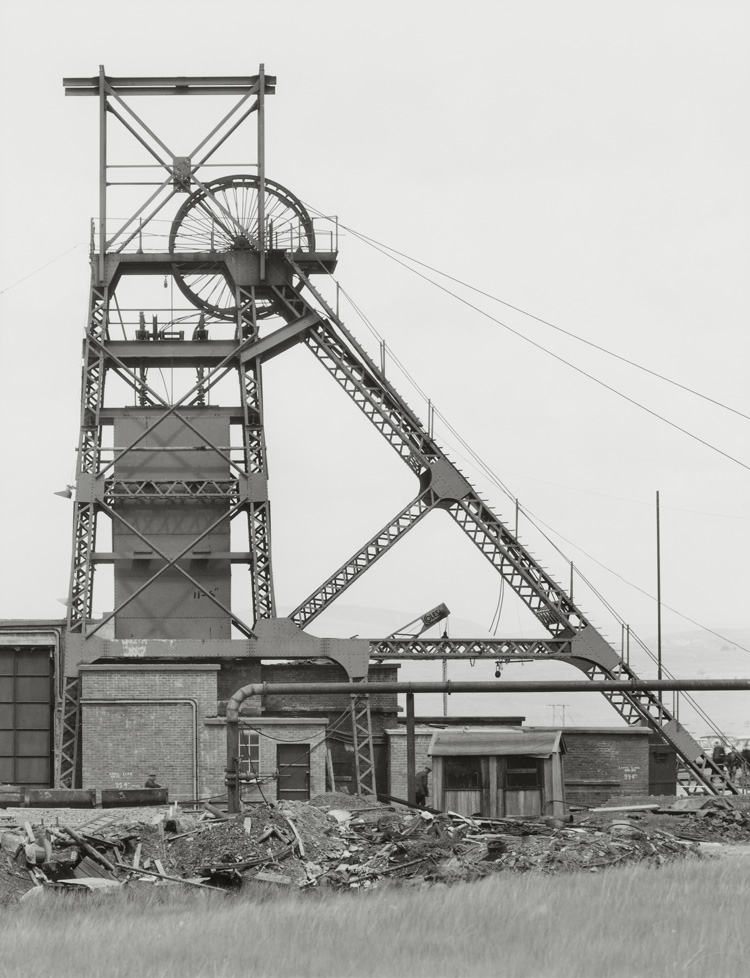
(335,841)
(697,818)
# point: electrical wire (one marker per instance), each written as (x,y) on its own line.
(482,465)
(495,479)
(41,268)
(555,356)
(330,729)
(633,363)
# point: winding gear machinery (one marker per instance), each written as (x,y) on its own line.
(223,217)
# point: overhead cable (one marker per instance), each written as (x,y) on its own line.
(41,268)
(546,322)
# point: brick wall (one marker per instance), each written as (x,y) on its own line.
(604,763)
(236,674)
(383,709)
(601,763)
(308,734)
(397,785)
(123,742)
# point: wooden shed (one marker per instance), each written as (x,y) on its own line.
(498,773)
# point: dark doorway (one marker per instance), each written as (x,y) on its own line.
(293,764)
(26,717)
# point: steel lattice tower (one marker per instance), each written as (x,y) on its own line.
(164,470)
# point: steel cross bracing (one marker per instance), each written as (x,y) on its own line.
(258,510)
(364,752)
(101,490)
(443,486)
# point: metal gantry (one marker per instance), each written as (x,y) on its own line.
(243,251)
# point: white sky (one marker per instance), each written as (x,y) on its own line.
(585,161)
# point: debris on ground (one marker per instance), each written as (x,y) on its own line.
(335,841)
(695,818)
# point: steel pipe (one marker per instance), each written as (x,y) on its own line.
(313,689)
(451,686)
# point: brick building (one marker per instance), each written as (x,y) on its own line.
(601,763)
(169,719)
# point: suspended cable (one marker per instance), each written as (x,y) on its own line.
(418,388)
(579,370)
(373,242)
(497,481)
(41,268)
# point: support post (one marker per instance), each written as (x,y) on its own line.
(262,169)
(233,759)
(658,595)
(102,173)
(411,767)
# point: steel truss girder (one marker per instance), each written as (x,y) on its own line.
(364,751)
(364,558)
(355,372)
(532,584)
(508,649)
(68,734)
(177,489)
(258,512)
(350,366)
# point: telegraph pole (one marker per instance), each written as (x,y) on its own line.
(658,596)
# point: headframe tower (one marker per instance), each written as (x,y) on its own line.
(164,468)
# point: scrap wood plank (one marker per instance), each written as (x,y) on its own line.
(295,833)
(250,863)
(411,862)
(87,867)
(92,882)
(171,879)
(89,849)
(265,877)
(626,808)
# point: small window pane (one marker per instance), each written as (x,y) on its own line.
(462,773)
(249,753)
(523,772)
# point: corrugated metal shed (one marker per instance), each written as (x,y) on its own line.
(500,742)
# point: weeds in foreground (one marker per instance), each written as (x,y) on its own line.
(682,921)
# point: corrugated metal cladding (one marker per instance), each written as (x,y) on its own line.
(26,716)
(171,607)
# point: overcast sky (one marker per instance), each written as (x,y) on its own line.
(585,162)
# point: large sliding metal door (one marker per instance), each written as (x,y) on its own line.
(26,716)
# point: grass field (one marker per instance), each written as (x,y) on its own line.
(686,920)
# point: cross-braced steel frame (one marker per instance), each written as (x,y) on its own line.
(263,275)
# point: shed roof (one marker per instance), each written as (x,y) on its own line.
(502,742)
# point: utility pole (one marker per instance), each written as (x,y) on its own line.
(555,707)
(658,595)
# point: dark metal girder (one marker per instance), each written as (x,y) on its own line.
(234,557)
(395,649)
(174,85)
(171,353)
(108,415)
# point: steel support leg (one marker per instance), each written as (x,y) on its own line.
(364,752)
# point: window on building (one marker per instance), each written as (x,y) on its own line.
(523,773)
(249,753)
(462,773)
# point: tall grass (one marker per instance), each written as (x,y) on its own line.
(687,920)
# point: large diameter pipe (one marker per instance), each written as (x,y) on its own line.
(312,689)
(451,686)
